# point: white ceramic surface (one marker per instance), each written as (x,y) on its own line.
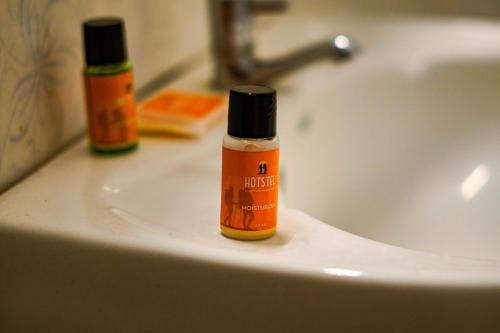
(400,145)
(397,145)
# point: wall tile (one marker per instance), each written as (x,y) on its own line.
(40,97)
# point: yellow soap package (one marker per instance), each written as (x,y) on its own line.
(181,113)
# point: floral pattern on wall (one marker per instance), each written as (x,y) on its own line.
(39,83)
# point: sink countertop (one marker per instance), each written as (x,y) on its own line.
(133,201)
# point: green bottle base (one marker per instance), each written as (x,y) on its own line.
(114,151)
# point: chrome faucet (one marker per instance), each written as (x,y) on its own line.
(232,44)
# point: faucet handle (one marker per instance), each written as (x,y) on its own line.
(268,6)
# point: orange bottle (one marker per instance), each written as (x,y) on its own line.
(250,165)
(109,87)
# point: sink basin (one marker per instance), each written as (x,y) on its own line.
(387,218)
(403,156)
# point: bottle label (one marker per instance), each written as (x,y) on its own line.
(249,190)
(112,118)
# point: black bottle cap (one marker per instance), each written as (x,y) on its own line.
(252,112)
(104,41)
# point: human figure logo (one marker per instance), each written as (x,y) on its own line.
(262,168)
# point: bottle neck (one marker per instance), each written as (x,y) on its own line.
(243,144)
(252,139)
(108,69)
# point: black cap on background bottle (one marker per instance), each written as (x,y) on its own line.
(104,41)
(252,112)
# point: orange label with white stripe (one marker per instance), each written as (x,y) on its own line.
(249,189)
(111,110)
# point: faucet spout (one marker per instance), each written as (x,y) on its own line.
(259,71)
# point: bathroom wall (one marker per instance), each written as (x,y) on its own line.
(462,7)
(41,104)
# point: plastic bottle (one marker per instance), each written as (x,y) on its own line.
(250,165)
(109,88)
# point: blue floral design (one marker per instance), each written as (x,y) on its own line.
(34,105)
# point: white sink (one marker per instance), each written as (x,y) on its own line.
(405,151)
(397,146)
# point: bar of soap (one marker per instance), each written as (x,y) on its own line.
(181,113)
